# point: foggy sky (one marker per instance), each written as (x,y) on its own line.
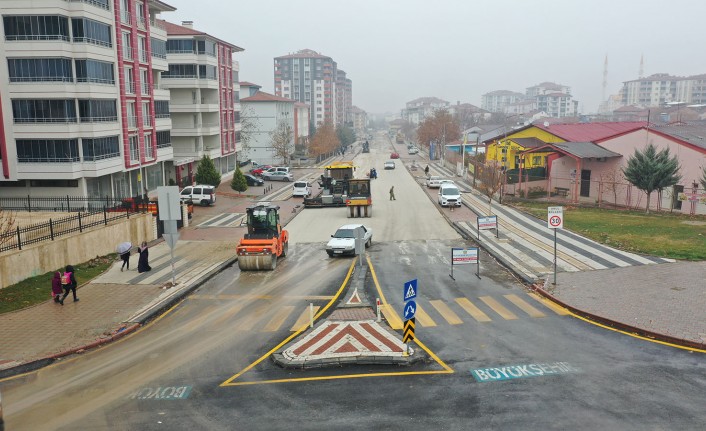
(397,51)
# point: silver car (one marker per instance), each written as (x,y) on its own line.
(277,176)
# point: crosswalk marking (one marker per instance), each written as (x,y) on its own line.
(498,308)
(222,220)
(524,306)
(549,304)
(304,318)
(249,323)
(423,318)
(446,312)
(196,323)
(228,314)
(279,318)
(471,309)
(392,318)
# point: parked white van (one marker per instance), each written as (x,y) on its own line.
(449,195)
(302,189)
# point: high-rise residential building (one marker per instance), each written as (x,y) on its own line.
(344,98)
(309,77)
(662,88)
(80,108)
(202,80)
(553,99)
(418,109)
(360,121)
(498,100)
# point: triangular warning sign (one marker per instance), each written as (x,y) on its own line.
(355,298)
(410,293)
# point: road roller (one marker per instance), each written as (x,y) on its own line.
(265,240)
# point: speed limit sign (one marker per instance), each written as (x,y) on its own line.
(555,217)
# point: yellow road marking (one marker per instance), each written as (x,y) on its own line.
(423,318)
(446,312)
(549,304)
(230,381)
(524,306)
(471,309)
(498,308)
(303,319)
(279,318)
(228,314)
(392,318)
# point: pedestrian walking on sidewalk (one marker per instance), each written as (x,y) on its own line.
(426,171)
(56,289)
(126,260)
(392,193)
(142,263)
(68,280)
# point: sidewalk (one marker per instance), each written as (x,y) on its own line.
(653,297)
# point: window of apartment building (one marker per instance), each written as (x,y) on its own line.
(307,96)
(105,147)
(40,70)
(236,117)
(207,72)
(206,47)
(131,115)
(36,27)
(318,109)
(164,139)
(103,4)
(97,110)
(146,117)
(237,137)
(140,12)
(127,45)
(47,150)
(235,76)
(318,115)
(96,71)
(134,148)
(44,111)
(142,49)
(180,71)
(180,46)
(149,150)
(89,31)
(236,96)
(161,109)
(144,82)
(125,11)
(129,80)
(159,48)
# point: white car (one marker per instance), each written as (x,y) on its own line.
(434,181)
(413,150)
(301,189)
(449,195)
(202,195)
(277,176)
(343,241)
(390,164)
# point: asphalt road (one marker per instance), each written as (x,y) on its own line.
(535,368)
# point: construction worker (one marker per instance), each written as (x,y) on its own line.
(392,193)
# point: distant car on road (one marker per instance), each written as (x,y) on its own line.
(277,176)
(412,150)
(390,164)
(394,156)
(434,181)
(252,180)
(343,241)
(449,195)
(202,195)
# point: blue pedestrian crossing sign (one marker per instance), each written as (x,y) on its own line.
(410,307)
(410,290)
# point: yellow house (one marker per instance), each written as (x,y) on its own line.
(505,150)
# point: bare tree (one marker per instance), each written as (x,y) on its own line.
(611,180)
(440,128)
(282,144)
(490,177)
(249,126)
(7,224)
(324,140)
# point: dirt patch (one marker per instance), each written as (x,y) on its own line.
(694,222)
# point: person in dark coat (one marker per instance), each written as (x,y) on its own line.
(71,285)
(56,289)
(142,265)
(126,260)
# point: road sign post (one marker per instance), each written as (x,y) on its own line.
(409,294)
(465,256)
(555,220)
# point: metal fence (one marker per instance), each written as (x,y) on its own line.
(67,203)
(56,228)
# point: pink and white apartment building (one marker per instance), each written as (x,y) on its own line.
(82,107)
(202,79)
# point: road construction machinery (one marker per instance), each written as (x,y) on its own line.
(359,201)
(265,241)
(340,188)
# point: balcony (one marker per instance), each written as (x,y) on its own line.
(191,106)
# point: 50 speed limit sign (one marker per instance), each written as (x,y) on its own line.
(555,217)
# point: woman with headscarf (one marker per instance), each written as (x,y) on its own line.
(68,280)
(142,265)
(56,289)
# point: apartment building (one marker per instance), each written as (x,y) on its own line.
(344,98)
(662,88)
(498,100)
(81,112)
(267,112)
(202,80)
(309,77)
(418,109)
(360,122)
